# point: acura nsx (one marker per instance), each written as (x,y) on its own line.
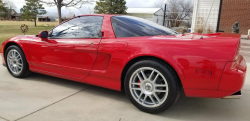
(150,62)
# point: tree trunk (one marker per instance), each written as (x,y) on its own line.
(35,21)
(9,15)
(59,14)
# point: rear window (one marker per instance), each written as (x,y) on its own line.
(128,26)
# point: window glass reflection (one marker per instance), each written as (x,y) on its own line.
(128,26)
(80,27)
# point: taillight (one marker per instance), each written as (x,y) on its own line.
(239,46)
(237,51)
(234,65)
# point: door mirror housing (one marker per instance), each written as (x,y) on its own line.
(43,35)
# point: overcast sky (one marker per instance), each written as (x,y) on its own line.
(52,11)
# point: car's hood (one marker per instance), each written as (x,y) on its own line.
(24,36)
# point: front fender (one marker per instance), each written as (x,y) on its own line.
(21,41)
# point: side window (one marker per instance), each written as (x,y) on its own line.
(128,26)
(123,28)
(80,27)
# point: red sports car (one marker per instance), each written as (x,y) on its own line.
(150,62)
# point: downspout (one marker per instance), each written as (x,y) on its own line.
(194,16)
(218,22)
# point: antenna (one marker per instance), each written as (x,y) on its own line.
(207,20)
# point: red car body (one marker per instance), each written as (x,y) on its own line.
(210,67)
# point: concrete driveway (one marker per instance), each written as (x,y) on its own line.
(45,98)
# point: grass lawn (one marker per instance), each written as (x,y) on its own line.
(10,29)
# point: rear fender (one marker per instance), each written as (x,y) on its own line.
(166,59)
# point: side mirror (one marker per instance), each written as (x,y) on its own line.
(43,35)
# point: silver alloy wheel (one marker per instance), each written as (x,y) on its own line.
(15,61)
(148,87)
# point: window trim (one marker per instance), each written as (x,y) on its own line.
(76,37)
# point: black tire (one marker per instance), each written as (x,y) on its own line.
(171,77)
(25,70)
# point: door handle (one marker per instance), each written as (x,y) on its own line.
(92,44)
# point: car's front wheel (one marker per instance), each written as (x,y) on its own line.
(16,62)
(152,86)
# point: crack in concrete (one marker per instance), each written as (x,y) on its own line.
(52,103)
(4,118)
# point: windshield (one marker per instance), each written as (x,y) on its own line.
(129,26)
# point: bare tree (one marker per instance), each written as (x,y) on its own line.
(70,14)
(65,3)
(177,11)
(87,10)
(11,6)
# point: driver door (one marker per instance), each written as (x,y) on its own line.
(71,48)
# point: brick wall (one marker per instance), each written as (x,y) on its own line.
(235,11)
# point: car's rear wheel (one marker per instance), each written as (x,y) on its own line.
(16,62)
(152,86)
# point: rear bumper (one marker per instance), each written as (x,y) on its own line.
(232,81)
(233,76)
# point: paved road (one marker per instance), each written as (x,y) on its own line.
(45,98)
